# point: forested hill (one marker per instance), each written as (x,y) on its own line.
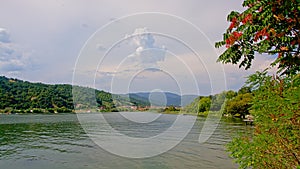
(18,95)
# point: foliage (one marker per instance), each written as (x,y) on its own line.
(265,27)
(200,105)
(239,105)
(244,90)
(230,94)
(17,96)
(268,27)
(204,104)
(193,107)
(217,101)
(171,108)
(276,139)
(138,100)
(257,79)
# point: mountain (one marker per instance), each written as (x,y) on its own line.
(18,95)
(162,98)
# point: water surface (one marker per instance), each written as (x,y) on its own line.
(58,142)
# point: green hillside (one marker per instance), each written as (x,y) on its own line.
(22,96)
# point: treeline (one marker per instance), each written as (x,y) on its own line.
(17,96)
(235,104)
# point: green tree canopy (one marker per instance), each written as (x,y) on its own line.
(265,27)
(217,101)
(268,27)
(239,105)
(204,104)
(276,139)
(244,90)
(230,94)
(17,95)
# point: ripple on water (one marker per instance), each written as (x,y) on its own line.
(58,141)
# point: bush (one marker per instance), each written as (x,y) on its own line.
(276,139)
(239,105)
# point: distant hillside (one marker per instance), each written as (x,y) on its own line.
(22,95)
(19,95)
(162,99)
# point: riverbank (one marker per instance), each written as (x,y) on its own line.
(36,111)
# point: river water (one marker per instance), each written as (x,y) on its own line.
(58,141)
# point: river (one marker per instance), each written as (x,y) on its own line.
(58,141)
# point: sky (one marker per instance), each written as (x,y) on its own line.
(120,46)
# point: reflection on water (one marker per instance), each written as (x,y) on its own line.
(58,141)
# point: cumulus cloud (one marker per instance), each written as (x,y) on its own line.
(4,36)
(147,54)
(236,76)
(153,70)
(12,58)
(100,47)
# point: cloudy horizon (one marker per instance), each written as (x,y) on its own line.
(40,41)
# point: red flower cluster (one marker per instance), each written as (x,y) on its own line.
(248,18)
(262,33)
(294,42)
(233,23)
(289,20)
(235,36)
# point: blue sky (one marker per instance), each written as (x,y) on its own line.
(40,41)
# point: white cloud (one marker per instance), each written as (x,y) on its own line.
(12,58)
(100,47)
(236,76)
(54,30)
(147,54)
(4,36)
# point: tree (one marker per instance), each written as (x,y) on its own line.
(276,139)
(268,27)
(193,107)
(230,94)
(239,105)
(217,101)
(170,108)
(244,90)
(265,27)
(204,104)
